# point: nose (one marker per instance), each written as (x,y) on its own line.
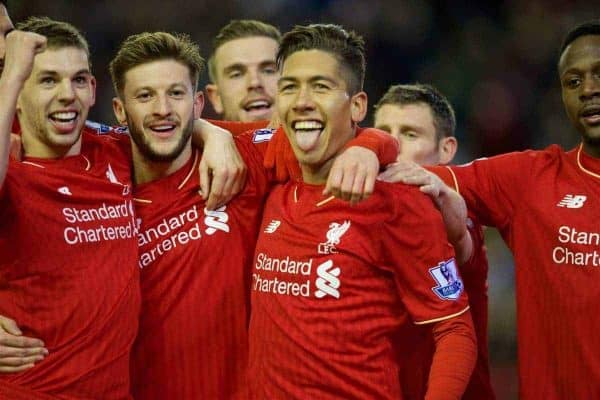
(303,100)
(254,80)
(162,106)
(66,93)
(590,86)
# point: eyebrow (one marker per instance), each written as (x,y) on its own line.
(234,67)
(311,80)
(576,70)
(53,72)
(383,127)
(241,66)
(172,86)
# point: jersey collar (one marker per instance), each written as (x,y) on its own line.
(588,164)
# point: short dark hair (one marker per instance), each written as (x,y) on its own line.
(591,27)
(59,34)
(347,47)
(238,29)
(444,119)
(152,46)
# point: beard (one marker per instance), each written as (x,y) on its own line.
(144,145)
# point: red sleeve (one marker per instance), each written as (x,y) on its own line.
(281,158)
(491,187)
(258,177)
(379,142)
(417,252)
(454,358)
(237,127)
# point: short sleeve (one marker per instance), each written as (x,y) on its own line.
(421,259)
(258,175)
(492,187)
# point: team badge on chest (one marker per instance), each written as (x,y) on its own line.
(334,235)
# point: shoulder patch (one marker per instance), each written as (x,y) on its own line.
(449,285)
(102,129)
(262,135)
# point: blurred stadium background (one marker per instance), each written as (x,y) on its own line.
(494,60)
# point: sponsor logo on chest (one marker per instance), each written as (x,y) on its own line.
(286,276)
(180,230)
(106,222)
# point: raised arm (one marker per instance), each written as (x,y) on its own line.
(21,48)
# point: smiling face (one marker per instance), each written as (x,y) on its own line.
(54,102)
(246,79)
(158,104)
(316,110)
(579,70)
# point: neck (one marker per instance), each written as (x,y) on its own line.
(316,174)
(592,149)
(33,147)
(146,170)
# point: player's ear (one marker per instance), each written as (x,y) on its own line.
(198,104)
(447,149)
(359,104)
(119,110)
(212,93)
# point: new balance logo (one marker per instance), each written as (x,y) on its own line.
(65,190)
(327,283)
(272,227)
(572,201)
(110,175)
(216,220)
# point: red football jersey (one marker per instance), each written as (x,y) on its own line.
(333,284)
(545,204)
(195,275)
(68,270)
(417,346)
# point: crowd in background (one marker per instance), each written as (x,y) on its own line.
(495,62)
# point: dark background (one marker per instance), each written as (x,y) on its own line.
(495,61)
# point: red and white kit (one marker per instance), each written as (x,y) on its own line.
(195,274)
(546,205)
(68,269)
(333,285)
(418,345)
